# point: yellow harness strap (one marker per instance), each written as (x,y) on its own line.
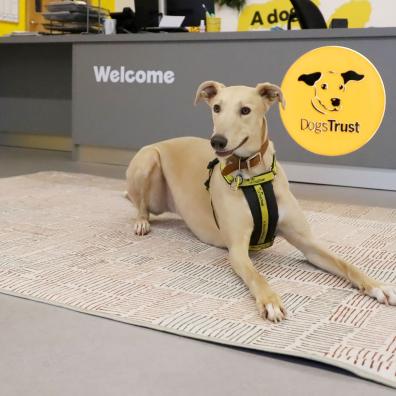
(259,194)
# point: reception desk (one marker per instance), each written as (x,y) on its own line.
(122,92)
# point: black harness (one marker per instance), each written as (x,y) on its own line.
(259,194)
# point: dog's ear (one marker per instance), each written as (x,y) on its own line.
(207,90)
(271,92)
(310,79)
(351,75)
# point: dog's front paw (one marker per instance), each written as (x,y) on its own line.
(142,227)
(385,294)
(270,307)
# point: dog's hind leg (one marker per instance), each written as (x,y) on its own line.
(146,187)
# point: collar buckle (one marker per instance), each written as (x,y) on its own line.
(251,158)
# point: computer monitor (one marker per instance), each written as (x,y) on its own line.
(147,14)
(191,9)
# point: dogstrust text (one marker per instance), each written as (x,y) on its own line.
(107,74)
(328,126)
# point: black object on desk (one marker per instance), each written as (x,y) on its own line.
(157,29)
(147,13)
(192,10)
(148,16)
(126,21)
(339,23)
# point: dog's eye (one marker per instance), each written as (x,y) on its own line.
(245,110)
(324,86)
(341,86)
(216,108)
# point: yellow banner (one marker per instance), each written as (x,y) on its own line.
(269,14)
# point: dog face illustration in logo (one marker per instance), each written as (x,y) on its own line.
(329,88)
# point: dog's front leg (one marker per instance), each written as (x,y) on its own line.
(268,302)
(295,229)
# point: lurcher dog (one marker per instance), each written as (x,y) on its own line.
(170,175)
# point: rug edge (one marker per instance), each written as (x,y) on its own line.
(355,371)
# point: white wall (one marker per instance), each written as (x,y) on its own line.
(120,4)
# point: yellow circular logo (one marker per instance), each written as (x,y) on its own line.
(335,101)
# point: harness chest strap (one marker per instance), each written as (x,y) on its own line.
(259,194)
(264,209)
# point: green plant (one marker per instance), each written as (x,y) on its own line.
(238,4)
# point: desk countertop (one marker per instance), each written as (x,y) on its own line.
(178,37)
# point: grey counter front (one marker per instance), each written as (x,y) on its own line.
(129,90)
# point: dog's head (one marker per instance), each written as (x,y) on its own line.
(238,115)
(329,88)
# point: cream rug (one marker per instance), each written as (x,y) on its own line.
(68,240)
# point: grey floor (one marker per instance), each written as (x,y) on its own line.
(46,350)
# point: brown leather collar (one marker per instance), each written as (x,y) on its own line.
(234,162)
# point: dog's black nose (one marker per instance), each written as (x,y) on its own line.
(218,142)
(335,101)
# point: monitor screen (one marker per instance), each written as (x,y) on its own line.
(191,9)
(147,13)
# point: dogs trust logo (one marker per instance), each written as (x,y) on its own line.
(329,88)
(329,111)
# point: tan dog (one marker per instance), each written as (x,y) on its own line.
(329,88)
(170,175)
